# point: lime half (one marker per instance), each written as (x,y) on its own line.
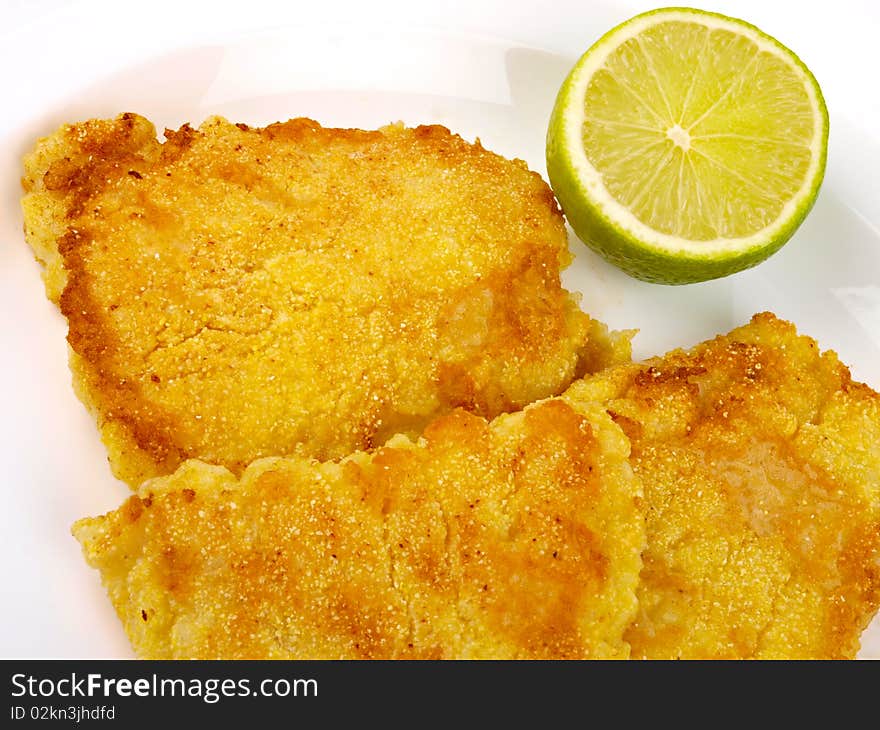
(686,145)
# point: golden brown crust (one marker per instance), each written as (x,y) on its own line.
(760,464)
(518,538)
(237,292)
(760,461)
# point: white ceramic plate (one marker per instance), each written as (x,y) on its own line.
(74,63)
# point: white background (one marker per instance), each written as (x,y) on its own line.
(57,58)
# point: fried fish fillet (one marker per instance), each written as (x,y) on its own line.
(236,293)
(759,459)
(760,463)
(518,538)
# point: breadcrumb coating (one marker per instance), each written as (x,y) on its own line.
(236,293)
(760,463)
(518,538)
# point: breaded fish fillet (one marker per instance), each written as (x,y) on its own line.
(760,462)
(518,538)
(236,293)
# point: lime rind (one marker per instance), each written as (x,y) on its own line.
(609,228)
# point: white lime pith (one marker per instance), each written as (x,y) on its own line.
(686,145)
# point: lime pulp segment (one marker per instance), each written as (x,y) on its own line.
(689,134)
(714,168)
